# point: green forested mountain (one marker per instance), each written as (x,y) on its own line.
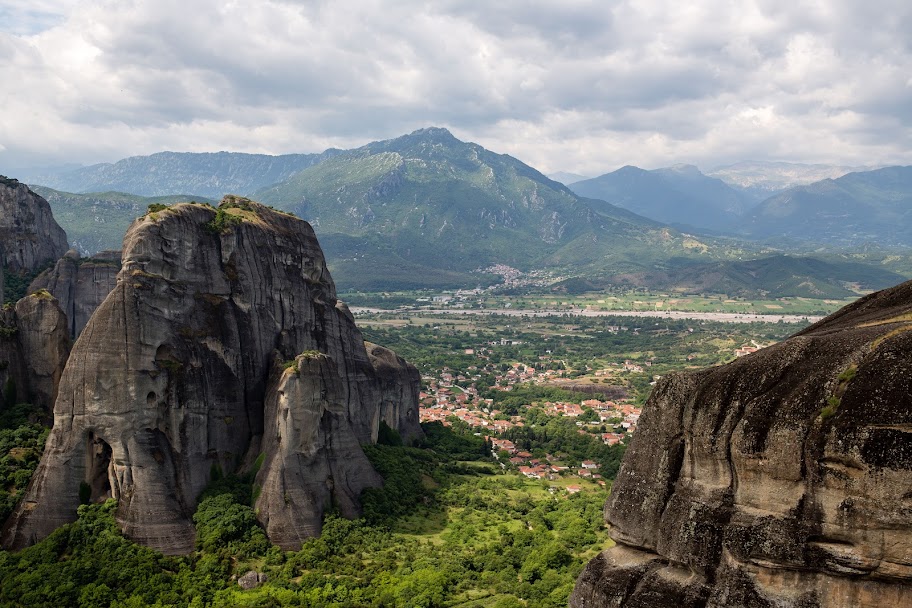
(853,210)
(773,276)
(202,174)
(97,221)
(427,208)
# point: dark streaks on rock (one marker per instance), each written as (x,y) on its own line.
(781,479)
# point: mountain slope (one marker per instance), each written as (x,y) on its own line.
(676,195)
(165,173)
(97,221)
(434,203)
(858,208)
(774,276)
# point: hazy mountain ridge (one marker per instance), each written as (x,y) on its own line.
(765,178)
(209,174)
(855,209)
(97,221)
(678,195)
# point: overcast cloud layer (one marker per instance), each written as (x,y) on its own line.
(571,85)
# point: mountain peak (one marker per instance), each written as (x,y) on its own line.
(683,170)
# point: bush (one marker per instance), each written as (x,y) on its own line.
(222,222)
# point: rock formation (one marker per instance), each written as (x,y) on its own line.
(29,236)
(400,383)
(80,285)
(781,479)
(175,375)
(34,345)
(312,457)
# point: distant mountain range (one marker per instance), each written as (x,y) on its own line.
(567,178)
(428,210)
(97,221)
(762,179)
(853,210)
(861,208)
(678,195)
(209,175)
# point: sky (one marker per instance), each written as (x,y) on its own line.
(564,85)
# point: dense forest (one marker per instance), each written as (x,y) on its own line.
(448,528)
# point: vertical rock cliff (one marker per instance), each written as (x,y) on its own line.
(175,376)
(400,383)
(783,479)
(80,285)
(29,236)
(312,457)
(34,345)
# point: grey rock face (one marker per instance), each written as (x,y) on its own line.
(170,377)
(251,579)
(781,479)
(312,458)
(29,236)
(80,285)
(400,383)
(34,346)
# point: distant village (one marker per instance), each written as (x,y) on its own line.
(455,395)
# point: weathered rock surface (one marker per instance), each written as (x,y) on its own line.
(400,383)
(29,236)
(312,456)
(80,285)
(170,377)
(781,479)
(34,346)
(252,579)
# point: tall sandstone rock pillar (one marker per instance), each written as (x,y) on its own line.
(170,378)
(29,236)
(783,479)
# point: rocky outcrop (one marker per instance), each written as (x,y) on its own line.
(781,479)
(312,458)
(34,345)
(80,285)
(29,236)
(174,377)
(400,383)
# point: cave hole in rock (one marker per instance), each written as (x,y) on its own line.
(98,469)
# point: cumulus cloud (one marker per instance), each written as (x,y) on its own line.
(581,85)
